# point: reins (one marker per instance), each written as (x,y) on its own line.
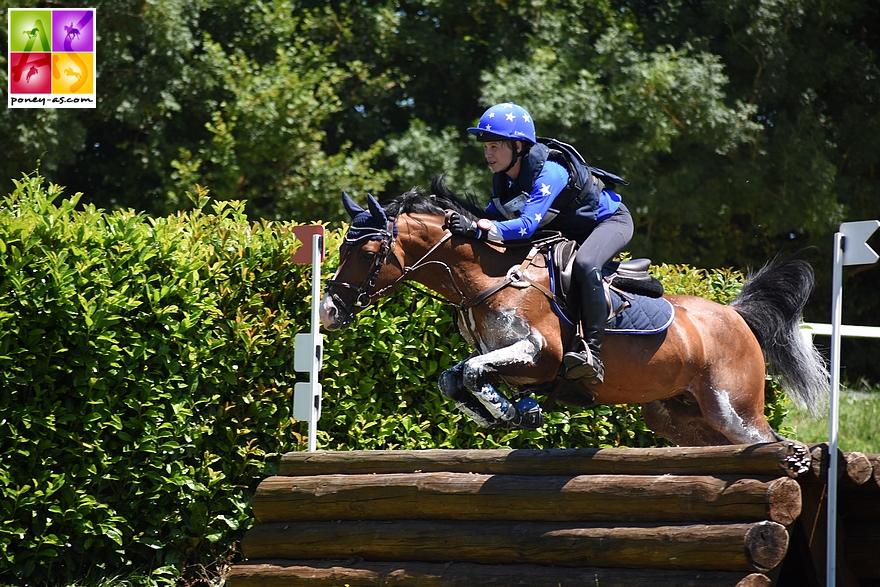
(515,277)
(420,264)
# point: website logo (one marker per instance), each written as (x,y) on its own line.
(52,58)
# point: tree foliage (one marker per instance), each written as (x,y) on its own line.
(233,95)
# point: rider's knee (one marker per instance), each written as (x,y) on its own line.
(589,273)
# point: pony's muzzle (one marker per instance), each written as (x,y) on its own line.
(331,317)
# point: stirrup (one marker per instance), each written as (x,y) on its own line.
(584,365)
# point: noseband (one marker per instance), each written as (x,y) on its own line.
(363,298)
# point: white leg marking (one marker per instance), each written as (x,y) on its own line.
(521,352)
(732,421)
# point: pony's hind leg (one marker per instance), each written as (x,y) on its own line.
(680,420)
(729,387)
(708,421)
(740,419)
(731,397)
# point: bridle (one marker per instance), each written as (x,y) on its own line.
(364,295)
(362,292)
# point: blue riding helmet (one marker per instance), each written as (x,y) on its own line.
(506,121)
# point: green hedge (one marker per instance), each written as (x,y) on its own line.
(146,369)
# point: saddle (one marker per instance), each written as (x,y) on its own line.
(634,298)
(620,278)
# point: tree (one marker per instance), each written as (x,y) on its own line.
(745,128)
(232,95)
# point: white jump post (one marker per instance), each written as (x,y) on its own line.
(850,248)
(309,346)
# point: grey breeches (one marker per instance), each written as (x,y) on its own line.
(608,238)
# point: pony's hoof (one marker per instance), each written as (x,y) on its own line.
(529,415)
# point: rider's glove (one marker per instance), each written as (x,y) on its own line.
(458,224)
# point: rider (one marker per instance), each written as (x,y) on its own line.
(543,183)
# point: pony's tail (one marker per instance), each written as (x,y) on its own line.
(772,303)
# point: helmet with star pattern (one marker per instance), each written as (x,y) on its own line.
(506,121)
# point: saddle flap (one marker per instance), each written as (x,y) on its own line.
(563,260)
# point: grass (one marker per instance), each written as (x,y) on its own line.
(858,422)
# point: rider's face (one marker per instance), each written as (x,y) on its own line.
(498,155)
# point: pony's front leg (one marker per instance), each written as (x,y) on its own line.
(468,386)
(478,366)
(525,413)
(451,383)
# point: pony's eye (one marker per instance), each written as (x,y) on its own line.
(369,255)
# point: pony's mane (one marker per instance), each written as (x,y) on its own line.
(441,199)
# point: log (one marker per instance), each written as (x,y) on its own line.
(462,496)
(752,547)
(873,483)
(788,458)
(853,468)
(311,573)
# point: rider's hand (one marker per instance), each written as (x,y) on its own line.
(458,224)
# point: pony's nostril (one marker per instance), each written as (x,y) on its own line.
(328,313)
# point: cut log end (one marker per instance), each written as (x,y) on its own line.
(755,580)
(766,544)
(784,501)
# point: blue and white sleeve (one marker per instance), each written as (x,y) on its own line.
(550,182)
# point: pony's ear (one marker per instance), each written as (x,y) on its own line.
(350,206)
(376,209)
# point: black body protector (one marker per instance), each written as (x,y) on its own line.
(573,212)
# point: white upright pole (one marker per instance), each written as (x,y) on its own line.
(309,346)
(850,248)
(314,384)
(834,405)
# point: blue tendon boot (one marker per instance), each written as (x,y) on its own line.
(525,414)
(498,405)
(452,387)
(529,414)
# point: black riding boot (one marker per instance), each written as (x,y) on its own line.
(586,363)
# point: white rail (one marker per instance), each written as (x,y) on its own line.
(845,330)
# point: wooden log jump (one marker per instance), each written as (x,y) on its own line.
(463,496)
(279,573)
(758,546)
(660,516)
(776,459)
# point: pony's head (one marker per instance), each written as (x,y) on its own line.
(368,267)
(362,263)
